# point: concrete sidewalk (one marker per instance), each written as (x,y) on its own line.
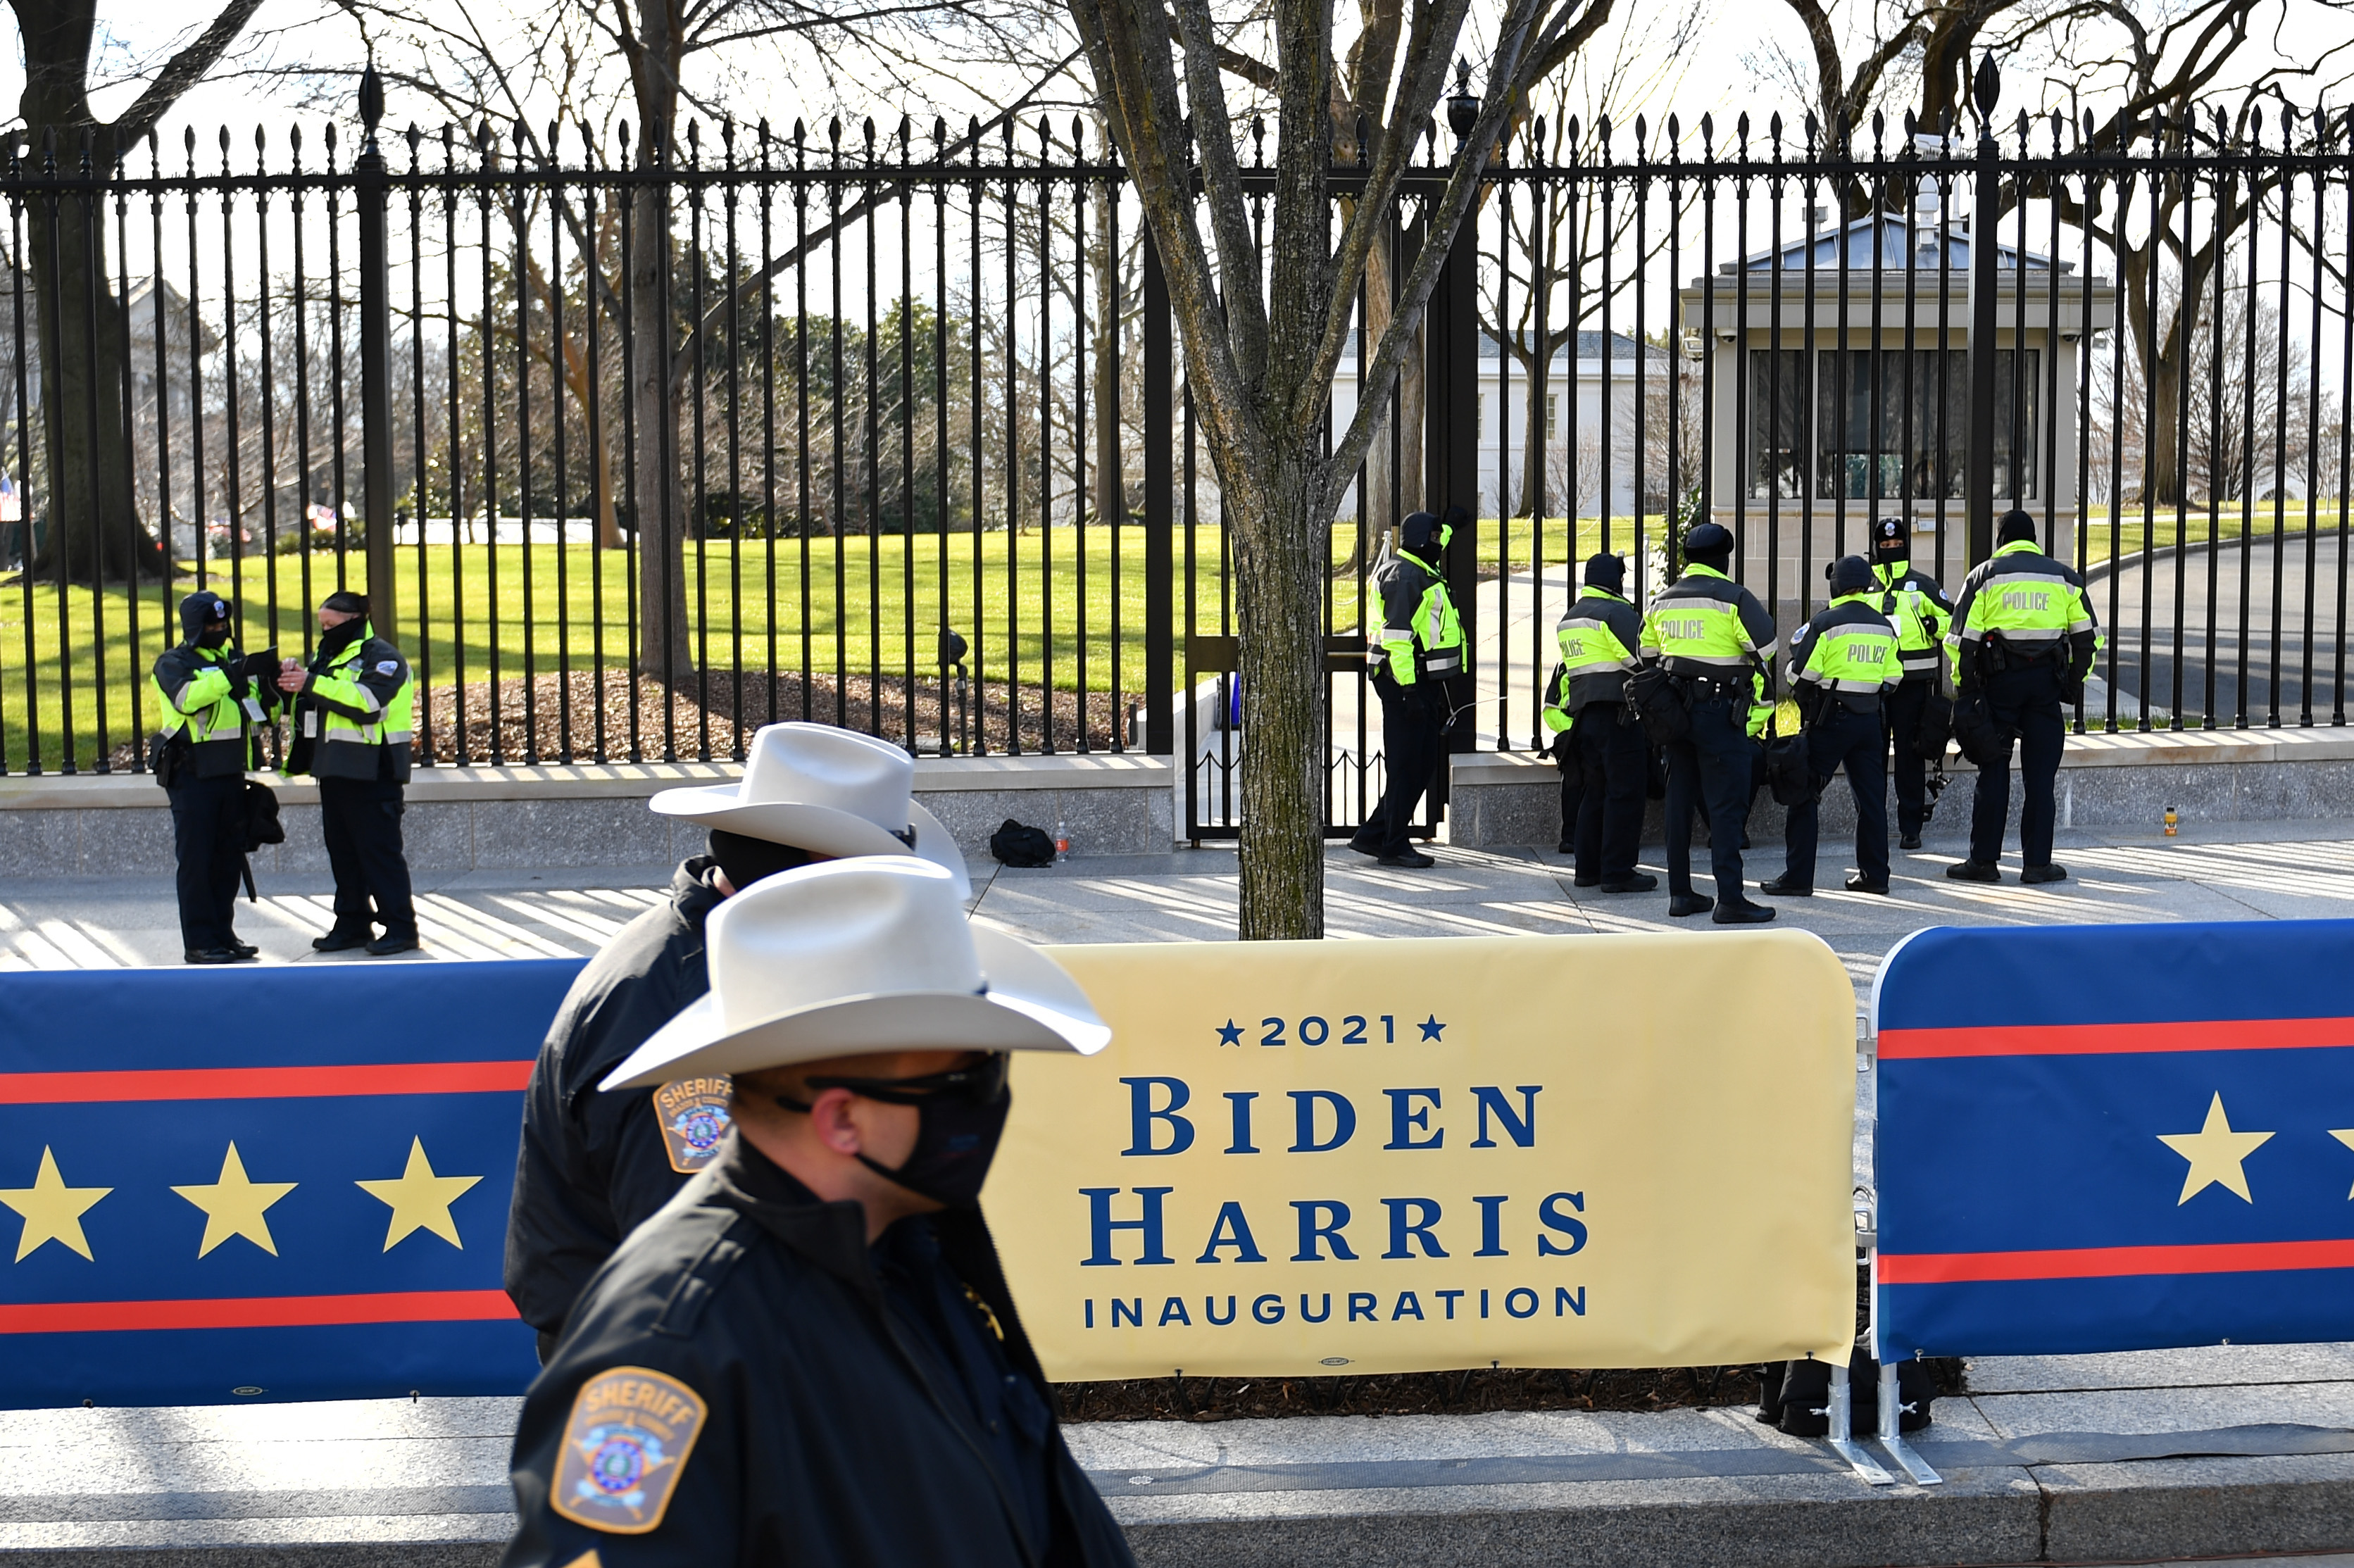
(2082,1459)
(2216,871)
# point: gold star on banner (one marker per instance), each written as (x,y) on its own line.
(2344,1135)
(234,1204)
(421,1200)
(2214,1152)
(52,1209)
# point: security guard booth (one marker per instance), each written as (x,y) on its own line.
(1839,368)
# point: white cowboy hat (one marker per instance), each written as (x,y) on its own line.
(831,792)
(851,956)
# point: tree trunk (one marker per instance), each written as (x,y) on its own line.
(664,650)
(1277,527)
(91,525)
(1534,438)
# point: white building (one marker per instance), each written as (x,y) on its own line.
(1581,427)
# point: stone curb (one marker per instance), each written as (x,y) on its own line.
(2087,1513)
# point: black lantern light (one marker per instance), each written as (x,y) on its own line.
(1463,105)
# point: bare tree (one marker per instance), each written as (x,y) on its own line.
(94,532)
(1264,328)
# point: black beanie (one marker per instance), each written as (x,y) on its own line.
(1606,571)
(2016,525)
(343,601)
(1849,574)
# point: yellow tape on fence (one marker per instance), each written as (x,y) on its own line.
(1400,1156)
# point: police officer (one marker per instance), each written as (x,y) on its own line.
(812,1356)
(1713,636)
(1418,654)
(214,702)
(1603,774)
(2023,639)
(592,1166)
(353,717)
(1920,611)
(1843,664)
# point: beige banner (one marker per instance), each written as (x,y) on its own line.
(1412,1155)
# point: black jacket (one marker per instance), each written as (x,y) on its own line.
(823,1439)
(593,1167)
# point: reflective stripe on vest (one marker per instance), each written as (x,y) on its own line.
(1586,637)
(1907,608)
(1694,627)
(2028,607)
(1857,657)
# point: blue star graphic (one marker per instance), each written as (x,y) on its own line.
(1430,1027)
(1230,1033)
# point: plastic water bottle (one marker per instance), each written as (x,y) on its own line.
(2172,817)
(1062,839)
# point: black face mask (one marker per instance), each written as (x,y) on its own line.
(332,642)
(214,636)
(961,1117)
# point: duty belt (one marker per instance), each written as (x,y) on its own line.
(1718,686)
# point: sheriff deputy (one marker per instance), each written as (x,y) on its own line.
(811,1355)
(592,1166)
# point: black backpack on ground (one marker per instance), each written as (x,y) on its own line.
(1014,844)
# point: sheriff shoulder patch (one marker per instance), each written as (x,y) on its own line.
(693,1114)
(625,1445)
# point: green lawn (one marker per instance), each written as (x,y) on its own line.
(1027,621)
(1017,575)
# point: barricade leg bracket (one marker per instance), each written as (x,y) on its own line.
(1842,1424)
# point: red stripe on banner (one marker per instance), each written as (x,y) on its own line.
(264,1083)
(258,1312)
(2110,1262)
(2112,1039)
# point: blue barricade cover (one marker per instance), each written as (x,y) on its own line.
(2115,1137)
(279,1183)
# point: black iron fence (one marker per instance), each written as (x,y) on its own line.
(638,447)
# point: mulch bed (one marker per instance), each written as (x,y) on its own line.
(1425,1394)
(539,735)
(1469,1393)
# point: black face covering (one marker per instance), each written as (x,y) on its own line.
(334,641)
(961,1117)
(214,635)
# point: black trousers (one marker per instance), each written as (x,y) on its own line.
(1711,767)
(1414,743)
(362,819)
(1905,705)
(1857,743)
(1602,808)
(2024,700)
(208,836)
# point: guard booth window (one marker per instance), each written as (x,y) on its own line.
(1880,427)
